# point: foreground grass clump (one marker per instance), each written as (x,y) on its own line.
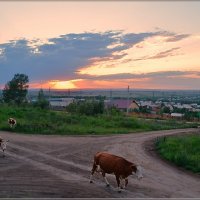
(184,151)
(42,121)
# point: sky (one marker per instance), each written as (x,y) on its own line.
(101,44)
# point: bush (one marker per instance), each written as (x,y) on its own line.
(184,151)
(86,107)
(130,123)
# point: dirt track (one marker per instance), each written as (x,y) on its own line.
(59,166)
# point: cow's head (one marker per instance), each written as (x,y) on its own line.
(137,170)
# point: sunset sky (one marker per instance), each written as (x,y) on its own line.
(101,45)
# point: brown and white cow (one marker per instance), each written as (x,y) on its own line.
(111,164)
(12,122)
(3,144)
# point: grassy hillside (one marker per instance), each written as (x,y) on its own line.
(184,151)
(38,121)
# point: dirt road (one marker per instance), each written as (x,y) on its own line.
(59,166)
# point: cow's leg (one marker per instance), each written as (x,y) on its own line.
(92,172)
(122,182)
(3,152)
(104,176)
(118,183)
(126,182)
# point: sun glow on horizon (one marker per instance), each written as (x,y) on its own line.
(62,84)
(54,84)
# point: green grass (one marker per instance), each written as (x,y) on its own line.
(37,121)
(184,151)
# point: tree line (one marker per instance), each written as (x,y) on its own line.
(16,90)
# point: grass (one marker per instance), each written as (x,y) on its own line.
(184,151)
(37,121)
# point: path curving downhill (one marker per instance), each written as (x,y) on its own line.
(59,166)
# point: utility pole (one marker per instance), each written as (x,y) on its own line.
(127,110)
(111,95)
(49,93)
(69,92)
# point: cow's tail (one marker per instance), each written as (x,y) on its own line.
(96,157)
(95,162)
(94,168)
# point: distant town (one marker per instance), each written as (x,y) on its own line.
(161,104)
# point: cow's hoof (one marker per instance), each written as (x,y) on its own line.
(107,185)
(91,181)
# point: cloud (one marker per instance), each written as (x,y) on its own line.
(171,36)
(153,80)
(133,38)
(175,38)
(187,81)
(151,75)
(162,54)
(61,57)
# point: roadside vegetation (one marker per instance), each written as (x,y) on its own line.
(35,120)
(184,151)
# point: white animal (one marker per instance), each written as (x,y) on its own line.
(12,122)
(3,144)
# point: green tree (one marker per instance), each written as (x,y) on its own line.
(41,95)
(145,109)
(41,100)
(72,107)
(87,107)
(166,109)
(16,89)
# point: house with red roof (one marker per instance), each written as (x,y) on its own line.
(123,104)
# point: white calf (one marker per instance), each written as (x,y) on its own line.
(12,122)
(3,144)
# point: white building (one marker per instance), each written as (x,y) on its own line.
(60,103)
(177,115)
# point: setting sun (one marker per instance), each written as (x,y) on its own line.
(62,85)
